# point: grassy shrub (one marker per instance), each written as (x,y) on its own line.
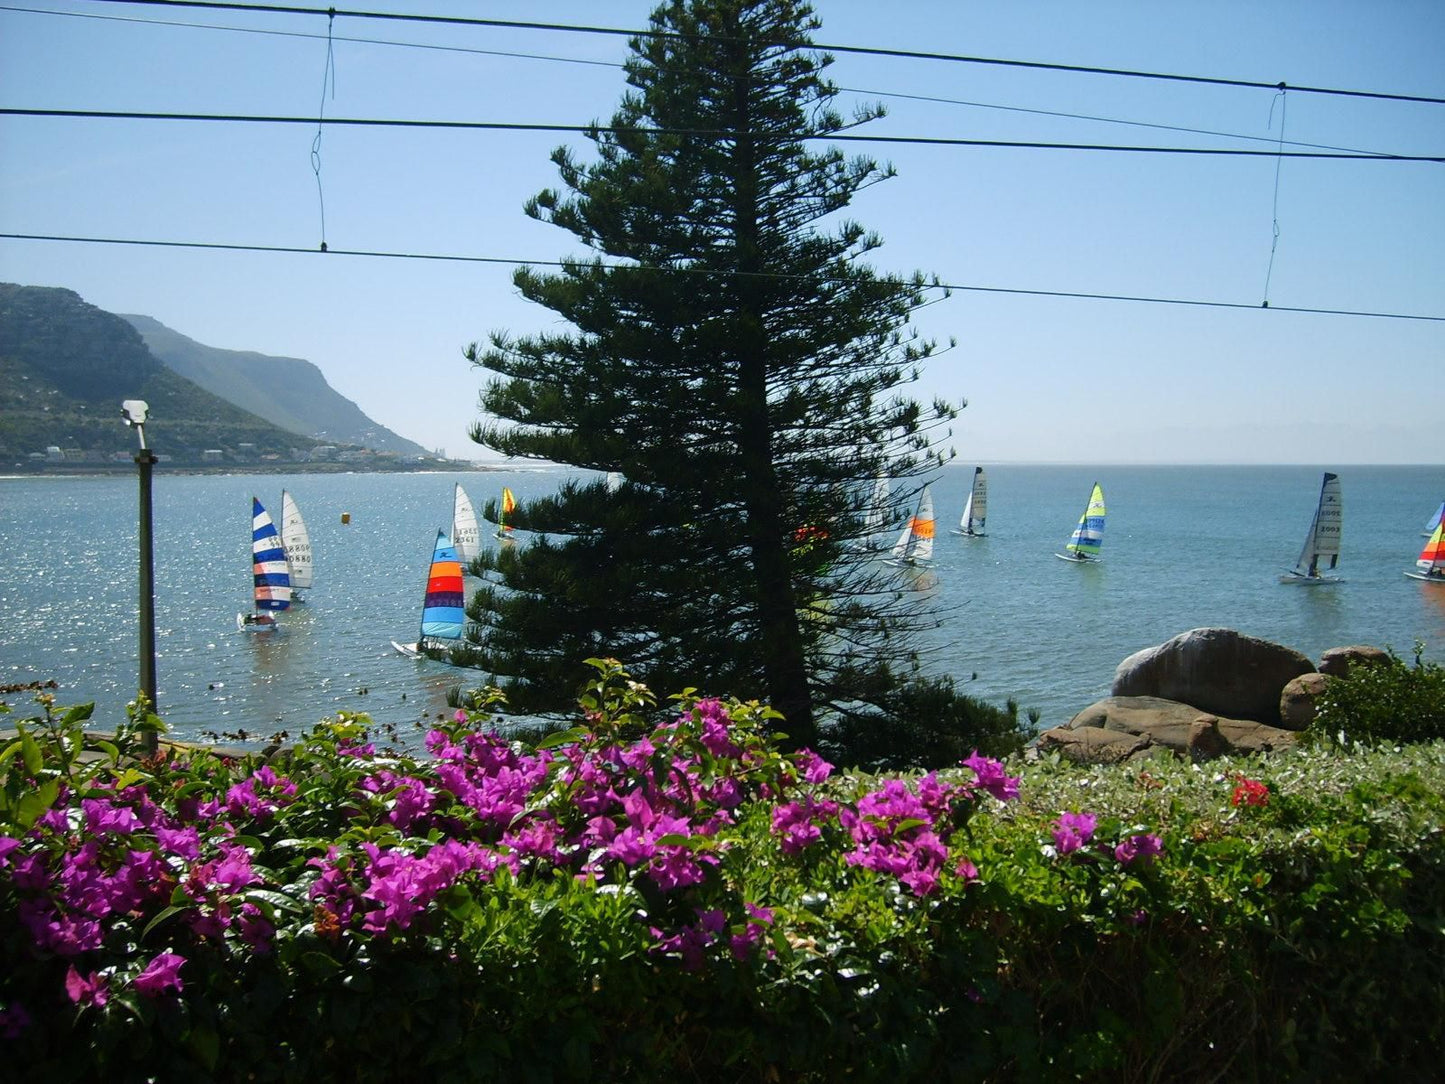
(925,724)
(628,901)
(1382,702)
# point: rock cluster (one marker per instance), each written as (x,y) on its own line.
(1205,693)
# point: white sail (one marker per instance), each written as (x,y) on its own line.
(975,509)
(614,481)
(296,541)
(1322,544)
(875,517)
(466,532)
(915,543)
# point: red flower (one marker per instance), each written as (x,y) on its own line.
(1249,792)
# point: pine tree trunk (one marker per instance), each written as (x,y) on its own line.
(784,663)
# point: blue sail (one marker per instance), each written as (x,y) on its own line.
(269,570)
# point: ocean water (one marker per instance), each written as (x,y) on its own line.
(1184,547)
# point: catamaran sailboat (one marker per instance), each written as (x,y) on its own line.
(443,619)
(915,543)
(1323,541)
(466,532)
(270,577)
(975,510)
(1431,564)
(1084,544)
(296,541)
(509,504)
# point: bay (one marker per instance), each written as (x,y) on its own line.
(1184,547)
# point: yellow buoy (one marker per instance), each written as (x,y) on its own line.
(345,517)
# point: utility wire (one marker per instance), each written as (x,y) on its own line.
(552,58)
(509,261)
(906,54)
(714,133)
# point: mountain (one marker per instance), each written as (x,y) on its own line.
(288,392)
(65,366)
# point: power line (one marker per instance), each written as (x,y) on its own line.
(509,261)
(906,54)
(714,133)
(552,58)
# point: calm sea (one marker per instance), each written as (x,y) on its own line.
(1184,547)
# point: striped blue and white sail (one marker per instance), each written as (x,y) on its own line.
(269,569)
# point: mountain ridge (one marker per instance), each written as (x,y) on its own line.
(291,393)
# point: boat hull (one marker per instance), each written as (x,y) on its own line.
(1074,559)
(1310,581)
(411,651)
(1426,577)
(242,625)
(967,534)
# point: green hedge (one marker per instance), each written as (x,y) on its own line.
(639,899)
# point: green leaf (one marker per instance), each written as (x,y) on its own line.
(162,916)
(31,755)
(562,737)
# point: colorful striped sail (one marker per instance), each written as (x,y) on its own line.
(1432,558)
(442,615)
(1088,536)
(269,570)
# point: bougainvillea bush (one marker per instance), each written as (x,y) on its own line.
(658,893)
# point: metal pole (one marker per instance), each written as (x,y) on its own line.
(145,460)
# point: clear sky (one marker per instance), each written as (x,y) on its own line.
(1047,378)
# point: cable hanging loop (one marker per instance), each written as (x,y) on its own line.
(1279,97)
(328,76)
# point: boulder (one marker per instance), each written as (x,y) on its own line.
(1337,660)
(1180,728)
(1092,744)
(1218,671)
(1297,701)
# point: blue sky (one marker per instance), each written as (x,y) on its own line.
(1048,379)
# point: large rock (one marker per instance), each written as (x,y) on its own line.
(1297,701)
(1337,660)
(1219,671)
(1123,728)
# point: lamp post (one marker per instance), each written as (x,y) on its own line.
(135,411)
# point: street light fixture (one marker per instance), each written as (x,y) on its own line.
(135,412)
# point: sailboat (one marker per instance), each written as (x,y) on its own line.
(509,504)
(443,620)
(975,509)
(1434,521)
(296,541)
(466,533)
(915,543)
(1431,564)
(1084,544)
(875,516)
(271,579)
(1323,540)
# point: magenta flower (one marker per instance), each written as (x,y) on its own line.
(92,989)
(1141,847)
(814,768)
(161,974)
(1072,831)
(7,845)
(256,931)
(991,777)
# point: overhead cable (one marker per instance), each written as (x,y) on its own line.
(906,54)
(714,133)
(510,261)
